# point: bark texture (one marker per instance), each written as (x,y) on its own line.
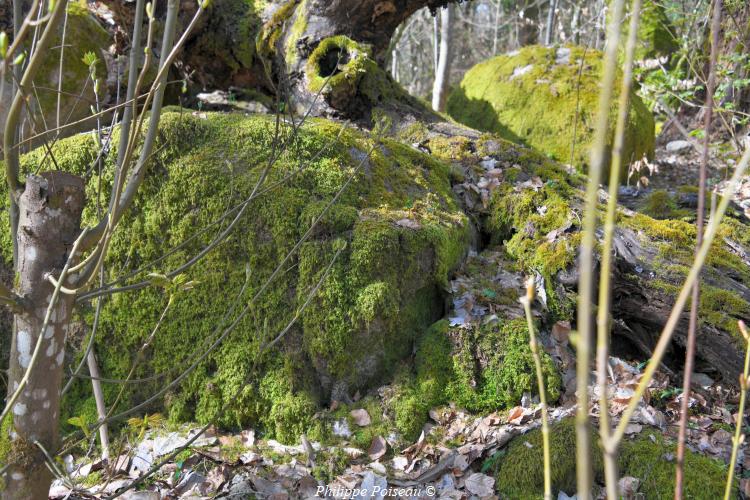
(442,75)
(50,215)
(640,310)
(243,46)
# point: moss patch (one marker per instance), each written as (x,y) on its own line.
(537,97)
(520,475)
(350,80)
(661,205)
(484,370)
(83,34)
(647,458)
(230,33)
(375,301)
(520,471)
(656,33)
(674,241)
(537,221)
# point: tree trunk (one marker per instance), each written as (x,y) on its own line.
(49,222)
(528,33)
(549,32)
(442,75)
(285,35)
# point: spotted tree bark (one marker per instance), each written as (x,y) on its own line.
(49,222)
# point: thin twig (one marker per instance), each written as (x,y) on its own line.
(588,243)
(739,437)
(603,314)
(695,302)
(534,345)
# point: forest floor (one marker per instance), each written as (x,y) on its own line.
(457,454)
(677,164)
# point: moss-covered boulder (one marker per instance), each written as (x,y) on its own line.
(83,34)
(645,457)
(547,98)
(374,265)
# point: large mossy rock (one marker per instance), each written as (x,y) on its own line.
(83,34)
(547,98)
(520,472)
(395,227)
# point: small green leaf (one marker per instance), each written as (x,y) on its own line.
(90,59)
(160,280)
(19,59)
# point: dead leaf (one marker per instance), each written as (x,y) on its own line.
(633,429)
(361,417)
(515,415)
(629,486)
(247,437)
(408,223)
(413,450)
(381,8)
(480,484)
(400,463)
(561,331)
(218,476)
(378,447)
(745,486)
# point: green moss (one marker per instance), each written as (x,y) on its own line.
(723,308)
(645,458)
(239,23)
(346,74)
(337,62)
(295,33)
(292,416)
(674,241)
(535,96)
(519,475)
(507,373)
(5,442)
(270,33)
(539,227)
(511,373)
(673,231)
(380,292)
(656,33)
(330,464)
(93,479)
(485,370)
(87,36)
(660,205)
(520,472)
